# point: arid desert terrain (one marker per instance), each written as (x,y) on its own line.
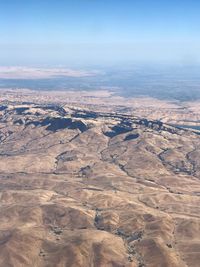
(81,187)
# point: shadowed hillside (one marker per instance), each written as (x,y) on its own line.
(81,188)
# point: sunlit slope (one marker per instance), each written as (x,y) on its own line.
(80,188)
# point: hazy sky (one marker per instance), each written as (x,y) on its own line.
(99,31)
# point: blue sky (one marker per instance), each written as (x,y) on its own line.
(99,31)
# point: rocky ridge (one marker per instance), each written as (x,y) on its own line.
(84,188)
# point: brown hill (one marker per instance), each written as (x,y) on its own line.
(80,188)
